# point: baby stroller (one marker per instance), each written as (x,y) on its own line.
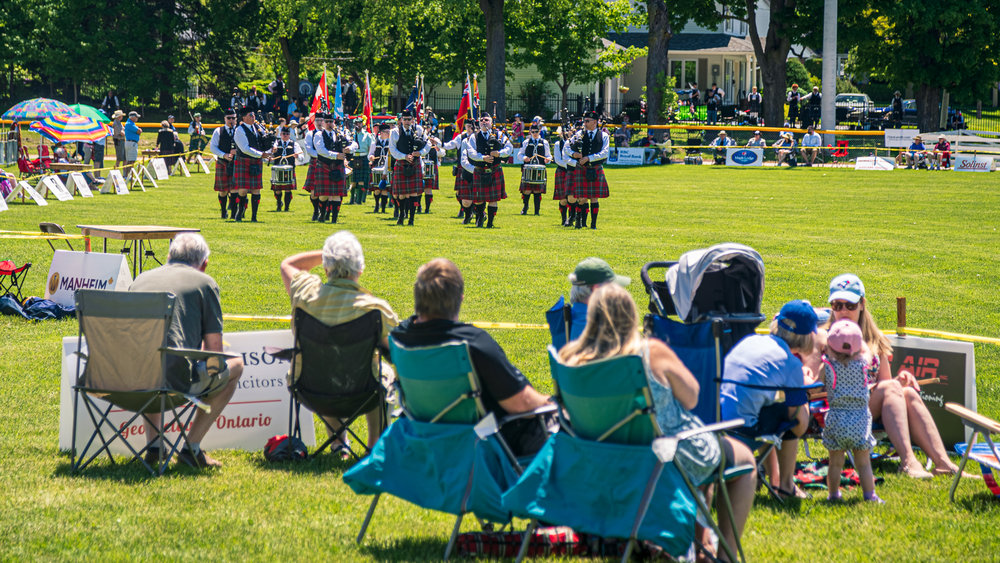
(692,154)
(715,294)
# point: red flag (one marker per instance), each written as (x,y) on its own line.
(367,110)
(419,115)
(475,97)
(319,101)
(463,108)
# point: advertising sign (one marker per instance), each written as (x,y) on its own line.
(80,183)
(631,156)
(257,411)
(736,156)
(973,163)
(954,363)
(160,168)
(873,163)
(899,138)
(71,271)
(54,185)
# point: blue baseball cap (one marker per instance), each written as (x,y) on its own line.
(798,317)
(846,287)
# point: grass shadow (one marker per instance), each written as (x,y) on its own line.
(127,472)
(980,502)
(407,549)
(326,463)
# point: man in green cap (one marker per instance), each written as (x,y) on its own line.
(590,273)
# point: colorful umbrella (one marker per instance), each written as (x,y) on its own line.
(91,112)
(36,108)
(69,128)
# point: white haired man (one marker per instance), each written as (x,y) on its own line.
(337,299)
(197,324)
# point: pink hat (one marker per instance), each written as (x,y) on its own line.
(845,337)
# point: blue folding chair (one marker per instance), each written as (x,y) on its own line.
(446,452)
(566,322)
(611,472)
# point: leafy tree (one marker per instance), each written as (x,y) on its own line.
(496,55)
(562,39)
(933,45)
(795,73)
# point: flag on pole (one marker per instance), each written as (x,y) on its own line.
(338,101)
(464,107)
(419,115)
(475,96)
(412,99)
(367,110)
(320,102)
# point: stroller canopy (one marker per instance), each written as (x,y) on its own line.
(726,278)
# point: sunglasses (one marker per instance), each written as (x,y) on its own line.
(841,305)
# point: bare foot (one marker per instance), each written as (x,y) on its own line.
(951,472)
(914,470)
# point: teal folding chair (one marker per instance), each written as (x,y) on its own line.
(446,453)
(611,471)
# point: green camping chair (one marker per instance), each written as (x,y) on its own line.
(337,377)
(128,364)
(446,453)
(635,491)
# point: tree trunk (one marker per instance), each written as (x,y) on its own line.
(772,54)
(928,103)
(292,63)
(496,57)
(564,105)
(660,33)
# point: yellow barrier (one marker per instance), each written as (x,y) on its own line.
(39,236)
(104,169)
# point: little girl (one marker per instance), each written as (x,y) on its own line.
(849,422)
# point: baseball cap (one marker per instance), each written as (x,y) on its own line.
(593,271)
(847,287)
(196,114)
(135,113)
(798,317)
(845,337)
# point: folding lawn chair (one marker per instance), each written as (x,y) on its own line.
(25,166)
(12,278)
(337,377)
(127,364)
(446,452)
(610,471)
(566,322)
(53,229)
(986,454)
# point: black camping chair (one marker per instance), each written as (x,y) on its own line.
(336,377)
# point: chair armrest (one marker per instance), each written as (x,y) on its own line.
(716,427)
(197,354)
(666,447)
(972,418)
(544,409)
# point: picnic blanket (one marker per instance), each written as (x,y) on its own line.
(812,475)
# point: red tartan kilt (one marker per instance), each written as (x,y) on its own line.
(436,182)
(324,185)
(493,189)
(463,188)
(289,187)
(407,186)
(593,189)
(559,191)
(247,175)
(223,177)
(310,175)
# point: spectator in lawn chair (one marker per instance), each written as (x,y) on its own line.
(437,295)
(810,144)
(773,361)
(756,141)
(720,143)
(197,324)
(589,274)
(336,299)
(895,402)
(613,330)
(784,149)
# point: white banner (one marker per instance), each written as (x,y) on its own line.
(736,156)
(873,163)
(899,138)
(115,184)
(54,184)
(25,187)
(76,179)
(71,271)
(631,156)
(257,411)
(160,168)
(973,163)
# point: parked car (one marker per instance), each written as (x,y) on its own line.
(853,107)
(909,112)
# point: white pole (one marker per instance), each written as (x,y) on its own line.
(829,110)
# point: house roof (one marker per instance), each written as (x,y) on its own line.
(689,42)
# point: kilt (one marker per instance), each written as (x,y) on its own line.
(323,183)
(559,191)
(223,175)
(527,188)
(588,189)
(287,187)
(247,174)
(463,187)
(436,182)
(362,174)
(403,185)
(310,175)
(488,187)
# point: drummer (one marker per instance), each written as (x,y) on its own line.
(534,152)
(378,159)
(433,161)
(283,167)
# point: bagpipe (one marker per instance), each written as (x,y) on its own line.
(413,143)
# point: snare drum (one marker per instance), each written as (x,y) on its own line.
(533,174)
(430,172)
(379,174)
(282,175)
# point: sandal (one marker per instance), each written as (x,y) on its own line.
(342,451)
(794,493)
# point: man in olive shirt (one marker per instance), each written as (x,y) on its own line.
(197,324)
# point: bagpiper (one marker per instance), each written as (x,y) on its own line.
(487,149)
(224,149)
(431,184)
(250,152)
(407,145)
(560,187)
(332,149)
(588,152)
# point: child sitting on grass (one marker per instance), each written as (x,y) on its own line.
(849,422)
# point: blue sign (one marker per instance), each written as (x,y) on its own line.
(744,157)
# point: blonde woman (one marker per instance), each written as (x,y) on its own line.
(895,401)
(613,330)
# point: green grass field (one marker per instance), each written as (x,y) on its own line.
(928,236)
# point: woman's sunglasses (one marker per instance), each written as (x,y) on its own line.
(841,305)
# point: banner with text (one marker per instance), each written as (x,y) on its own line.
(973,163)
(873,163)
(632,156)
(257,411)
(71,271)
(744,157)
(899,138)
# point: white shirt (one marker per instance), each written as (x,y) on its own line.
(213,145)
(372,147)
(476,158)
(308,144)
(463,156)
(455,143)
(598,156)
(394,139)
(542,148)
(321,149)
(276,150)
(559,156)
(811,140)
(244,143)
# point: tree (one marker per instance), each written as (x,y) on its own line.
(933,45)
(772,54)
(562,38)
(496,56)
(664,16)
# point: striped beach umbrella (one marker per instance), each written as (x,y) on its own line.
(70,128)
(36,108)
(91,112)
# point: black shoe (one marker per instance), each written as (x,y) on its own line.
(224,214)
(152,456)
(200,461)
(279,206)
(524,210)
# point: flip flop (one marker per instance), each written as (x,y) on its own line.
(343,451)
(794,493)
